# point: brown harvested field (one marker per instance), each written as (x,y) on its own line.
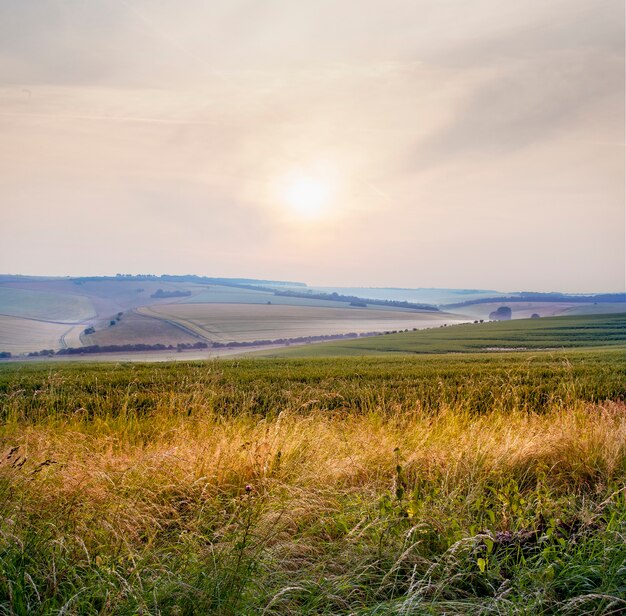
(249,322)
(19,335)
(135,328)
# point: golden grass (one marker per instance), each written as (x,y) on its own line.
(305,488)
(139,476)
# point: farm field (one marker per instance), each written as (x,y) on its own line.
(192,310)
(614,307)
(45,306)
(23,335)
(219,294)
(249,322)
(458,484)
(136,328)
(526,334)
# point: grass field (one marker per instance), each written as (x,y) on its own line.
(249,322)
(609,308)
(527,334)
(466,484)
(45,306)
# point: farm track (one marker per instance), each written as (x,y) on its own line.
(2,314)
(146,312)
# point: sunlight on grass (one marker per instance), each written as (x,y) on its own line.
(263,486)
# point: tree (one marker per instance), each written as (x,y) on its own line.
(501,314)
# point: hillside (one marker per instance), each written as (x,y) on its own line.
(52,314)
(527,334)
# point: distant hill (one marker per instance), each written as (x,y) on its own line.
(522,335)
(127,311)
(601,298)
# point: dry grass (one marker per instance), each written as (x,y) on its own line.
(322,452)
(187,509)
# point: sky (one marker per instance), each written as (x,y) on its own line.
(405,143)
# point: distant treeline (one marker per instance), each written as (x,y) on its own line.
(118,348)
(233,282)
(160,294)
(357,301)
(300,339)
(604,298)
(126,348)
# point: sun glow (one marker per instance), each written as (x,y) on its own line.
(308,196)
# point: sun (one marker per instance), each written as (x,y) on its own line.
(307,196)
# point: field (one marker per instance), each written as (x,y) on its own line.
(520,310)
(19,335)
(526,334)
(96,302)
(614,308)
(136,328)
(45,306)
(249,322)
(459,484)
(195,309)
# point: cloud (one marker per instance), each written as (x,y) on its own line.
(523,103)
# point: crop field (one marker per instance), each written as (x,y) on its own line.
(45,306)
(19,335)
(527,334)
(249,322)
(135,328)
(465,484)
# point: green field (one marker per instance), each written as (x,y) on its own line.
(46,306)
(488,483)
(523,334)
(614,308)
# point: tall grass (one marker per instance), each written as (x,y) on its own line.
(298,488)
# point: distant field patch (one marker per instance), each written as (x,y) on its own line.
(609,308)
(139,329)
(245,323)
(520,310)
(528,334)
(218,294)
(45,305)
(25,335)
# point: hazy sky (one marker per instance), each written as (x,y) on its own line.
(447,143)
